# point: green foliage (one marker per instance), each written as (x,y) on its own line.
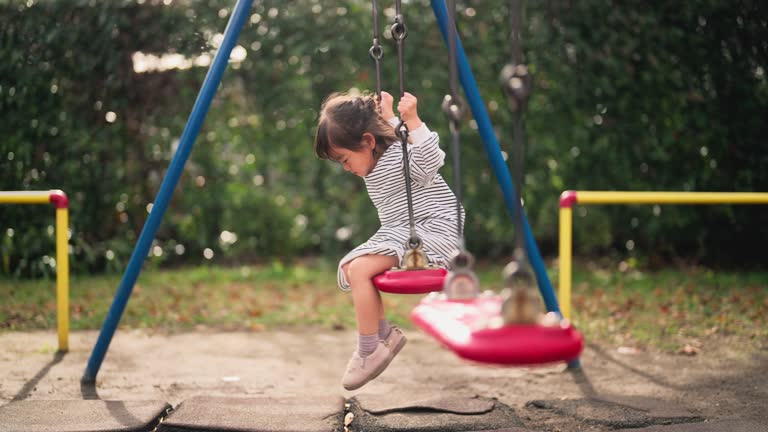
(672,97)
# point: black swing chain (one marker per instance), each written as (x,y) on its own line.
(376,52)
(399,33)
(517,83)
(461,282)
(454,108)
(515,77)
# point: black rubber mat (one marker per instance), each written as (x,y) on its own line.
(382,404)
(81,416)
(430,415)
(731,425)
(619,412)
(262,414)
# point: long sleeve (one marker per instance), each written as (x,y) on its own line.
(424,154)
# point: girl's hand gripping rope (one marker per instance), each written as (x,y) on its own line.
(386,105)
(408,112)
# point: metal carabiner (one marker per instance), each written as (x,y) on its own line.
(398,29)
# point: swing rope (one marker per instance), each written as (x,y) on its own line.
(376,52)
(454,108)
(399,33)
(516,82)
(517,86)
(414,275)
(461,282)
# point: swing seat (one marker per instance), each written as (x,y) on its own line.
(462,327)
(410,281)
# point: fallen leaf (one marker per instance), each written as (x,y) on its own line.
(627,350)
(688,350)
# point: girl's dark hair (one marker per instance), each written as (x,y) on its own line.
(343,121)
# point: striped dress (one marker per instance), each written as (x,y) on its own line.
(434,204)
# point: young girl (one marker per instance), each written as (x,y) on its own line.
(353,132)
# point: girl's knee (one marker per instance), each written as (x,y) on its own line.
(355,269)
(367,266)
(345,270)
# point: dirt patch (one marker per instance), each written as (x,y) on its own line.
(722,381)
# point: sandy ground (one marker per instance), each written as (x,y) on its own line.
(722,381)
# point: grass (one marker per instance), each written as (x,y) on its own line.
(672,308)
(666,309)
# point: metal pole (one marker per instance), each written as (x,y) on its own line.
(59,199)
(571,197)
(194,123)
(566,233)
(62,277)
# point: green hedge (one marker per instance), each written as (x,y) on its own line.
(669,97)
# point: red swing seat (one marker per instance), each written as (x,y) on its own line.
(410,281)
(461,326)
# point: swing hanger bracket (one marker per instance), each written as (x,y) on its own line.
(414,243)
(402,132)
(462,260)
(414,257)
(517,83)
(454,107)
(399,30)
(376,52)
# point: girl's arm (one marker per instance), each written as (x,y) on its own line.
(424,154)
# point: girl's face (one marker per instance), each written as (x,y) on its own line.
(358,162)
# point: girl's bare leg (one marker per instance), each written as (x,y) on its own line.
(381,307)
(372,355)
(367,299)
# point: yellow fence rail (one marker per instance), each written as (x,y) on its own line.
(60,201)
(570,198)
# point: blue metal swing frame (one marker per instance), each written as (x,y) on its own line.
(192,129)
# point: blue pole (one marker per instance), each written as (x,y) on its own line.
(194,123)
(494,154)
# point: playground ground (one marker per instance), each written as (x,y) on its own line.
(722,386)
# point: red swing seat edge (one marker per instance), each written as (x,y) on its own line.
(411,281)
(520,345)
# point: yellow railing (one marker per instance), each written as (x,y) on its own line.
(59,200)
(569,198)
